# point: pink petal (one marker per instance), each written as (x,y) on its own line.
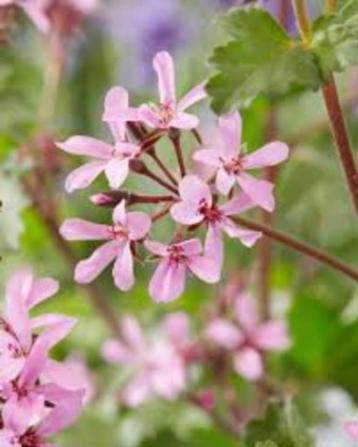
(138,225)
(88,269)
(82,230)
(117,171)
(247,237)
(164,66)
(246,312)
(123,268)
(214,247)
(137,391)
(63,415)
(119,215)
(272,335)
(186,213)
(176,326)
(83,176)
(238,204)
(204,268)
(224,181)
(37,15)
(168,281)
(351,428)
(151,117)
(18,289)
(10,368)
(248,363)
(190,247)
(115,352)
(193,190)
(46,320)
(157,248)
(231,129)
(195,95)
(184,121)
(7,437)
(260,191)
(223,333)
(41,290)
(82,145)
(116,101)
(209,157)
(133,334)
(23,411)
(269,155)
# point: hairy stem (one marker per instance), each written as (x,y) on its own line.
(301,247)
(175,138)
(163,168)
(340,134)
(303,19)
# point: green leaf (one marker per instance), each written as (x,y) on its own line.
(261,59)
(282,426)
(335,39)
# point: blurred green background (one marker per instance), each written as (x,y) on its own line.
(115,47)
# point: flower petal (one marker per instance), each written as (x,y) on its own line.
(83,176)
(230,130)
(138,225)
(82,145)
(214,248)
(209,157)
(82,230)
(238,204)
(119,215)
(176,326)
(190,247)
(137,391)
(224,333)
(164,66)
(224,181)
(117,171)
(351,429)
(205,268)
(157,248)
(273,336)
(186,213)
(151,117)
(123,268)
(133,334)
(248,363)
(246,312)
(115,352)
(246,236)
(37,15)
(185,121)
(193,190)
(195,95)
(168,281)
(269,155)
(88,269)
(260,191)
(41,289)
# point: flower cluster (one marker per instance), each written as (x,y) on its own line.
(64,14)
(192,201)
(36,400)
(159,364)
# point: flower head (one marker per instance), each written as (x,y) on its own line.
(169,112)
(248,338)
(231,165)
(126,229)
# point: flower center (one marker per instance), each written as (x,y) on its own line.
(166,112)
(119,232)
(212,214)
(14,350)
(29,439)
(234,166)
(176,254)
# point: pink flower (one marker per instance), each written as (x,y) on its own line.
(126,229)
(160,368)
(249,339)
(231,165)
(168,281)
(351,428)
(34,9)
(169,113)
(197,206)
(117,112)
(112,160)
(65,409)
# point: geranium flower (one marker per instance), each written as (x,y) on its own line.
(249,338)
(158,364)
(231,165)
(126,228)
(168,281)
(170,113)
(197,206)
